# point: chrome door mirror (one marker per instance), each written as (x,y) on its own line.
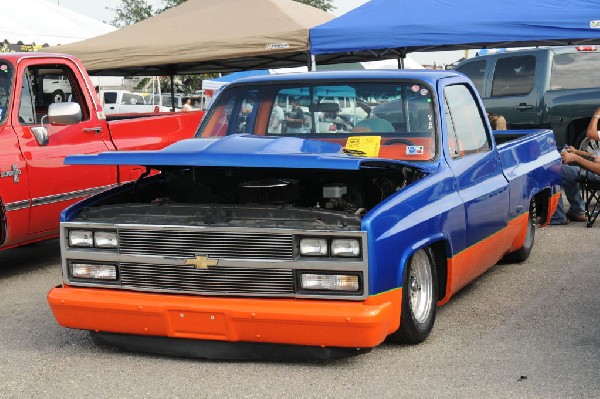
(41,134)
(64,113)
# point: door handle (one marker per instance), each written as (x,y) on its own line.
(96,130)
(523,107)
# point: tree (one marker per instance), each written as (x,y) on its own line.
(324,5)
(133,11)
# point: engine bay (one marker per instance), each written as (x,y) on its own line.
(254,197)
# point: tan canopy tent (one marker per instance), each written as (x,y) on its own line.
(201,36)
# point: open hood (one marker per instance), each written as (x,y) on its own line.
(244,151)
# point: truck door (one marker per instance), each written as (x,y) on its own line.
(53,185)
(479,181)
(513,92)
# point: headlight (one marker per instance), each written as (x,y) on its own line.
(313,247)
(105,239)
(92,271)
(332,282)
(345,247)
(81,238)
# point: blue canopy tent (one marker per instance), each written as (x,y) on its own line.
(393,28)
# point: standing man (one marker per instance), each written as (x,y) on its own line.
(295,118)
(276,119)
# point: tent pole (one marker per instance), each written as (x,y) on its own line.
(172,93)
(311,62)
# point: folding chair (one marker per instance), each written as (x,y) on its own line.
(590,191)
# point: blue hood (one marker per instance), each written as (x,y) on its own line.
(240,151)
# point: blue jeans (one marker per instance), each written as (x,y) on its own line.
(569,174)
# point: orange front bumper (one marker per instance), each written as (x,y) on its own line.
(285,321)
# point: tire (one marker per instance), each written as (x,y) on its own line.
(58,96)
(591,146)
(521,254)
(419,299)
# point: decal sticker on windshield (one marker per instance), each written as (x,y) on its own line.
(424,92)
(415,88)
(414,150)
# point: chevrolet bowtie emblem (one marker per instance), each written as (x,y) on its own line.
(202,262)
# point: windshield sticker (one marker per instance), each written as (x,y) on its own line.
(595,24)
(424,92)
(4,68)
(366,146)
(415,88)
(414,150)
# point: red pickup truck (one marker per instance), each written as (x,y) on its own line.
(37,133)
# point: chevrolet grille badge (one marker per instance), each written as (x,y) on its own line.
(202,262)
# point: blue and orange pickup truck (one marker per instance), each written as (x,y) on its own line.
(338,212)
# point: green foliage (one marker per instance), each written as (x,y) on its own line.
(131,12)
(324,5)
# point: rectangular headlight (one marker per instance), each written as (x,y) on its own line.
(105,239)
(313,247)
(81,238)
(345,247)
(331,282)
(93,271)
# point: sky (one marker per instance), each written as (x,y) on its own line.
(101,10)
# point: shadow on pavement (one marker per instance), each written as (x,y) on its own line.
(29,257)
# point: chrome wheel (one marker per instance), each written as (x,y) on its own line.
(420,286)
(591,146)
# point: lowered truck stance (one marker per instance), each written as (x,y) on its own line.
(339,211)
(40,127)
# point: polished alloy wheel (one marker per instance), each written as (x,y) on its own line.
(420,285)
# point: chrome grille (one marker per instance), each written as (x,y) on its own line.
(215,280)
(216,244)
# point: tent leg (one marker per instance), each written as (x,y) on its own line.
(172,93)
(311,63)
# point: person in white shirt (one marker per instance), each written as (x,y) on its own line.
(276,119)
(187,105)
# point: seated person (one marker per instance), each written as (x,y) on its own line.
(375,125)
(577,164)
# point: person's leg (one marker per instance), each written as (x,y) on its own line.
(570,174)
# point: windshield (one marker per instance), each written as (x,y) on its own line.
(384,119)
(6,78)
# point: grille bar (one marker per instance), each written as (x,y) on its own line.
(215,280)
(185,244)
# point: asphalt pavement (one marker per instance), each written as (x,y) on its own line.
(527,330)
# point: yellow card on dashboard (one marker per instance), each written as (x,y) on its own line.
(367,146)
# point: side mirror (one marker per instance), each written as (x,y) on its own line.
(41,134)
(64,113)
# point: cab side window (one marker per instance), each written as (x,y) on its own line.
(464,122)
(46,84)
(513,76)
